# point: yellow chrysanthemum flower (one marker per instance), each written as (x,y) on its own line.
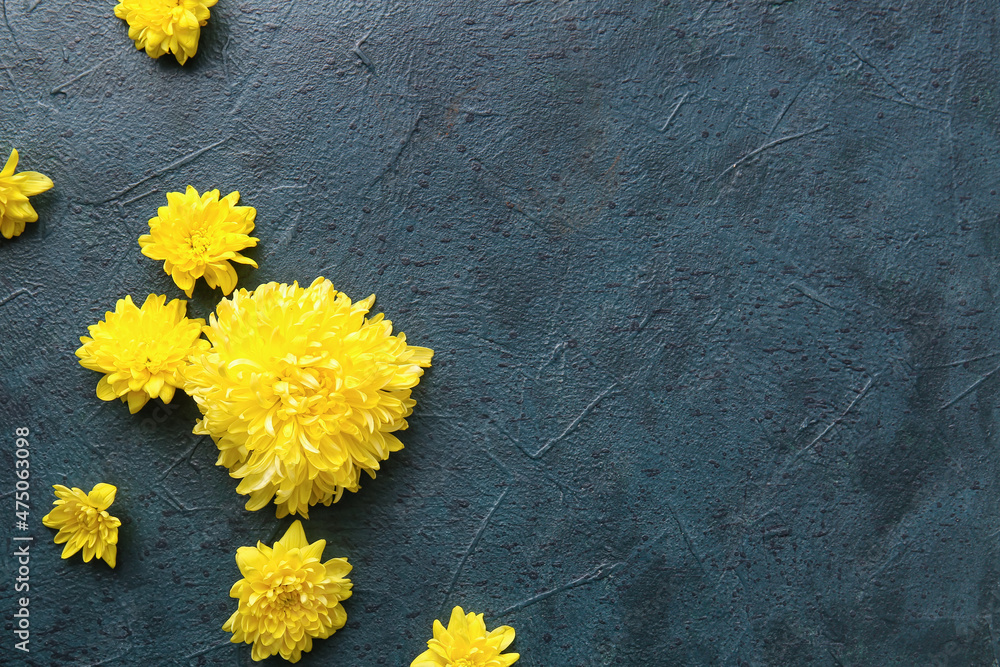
(142,351)
(466,643)
(301,392)
(83,522)
(15,209)
(198,235)
(288,596)
(165,26)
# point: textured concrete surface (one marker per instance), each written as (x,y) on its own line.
(711,286)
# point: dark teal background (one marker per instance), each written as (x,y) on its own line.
(710,285)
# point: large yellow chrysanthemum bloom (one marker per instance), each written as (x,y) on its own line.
(142,351)
(288,596)
(165,26)
(15,209)
(466,643)
(83,522)
(301,392)
(198,235)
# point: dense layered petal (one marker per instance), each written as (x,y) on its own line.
(83,522)
(288,596)
(198,236)
(302,392)
(165,26)
(467,643)
(15,209)
(142,351)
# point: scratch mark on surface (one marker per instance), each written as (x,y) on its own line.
(225,64)
(13,295)
(908,103)
(138,197)
(33,5)
(993,642)
(969,390)
(356,50)
(184,457)
(598,573)
(687,537)
(67,84)
(836,421)
(808,292)
(173,165)
(17,90)
(402,146)
(769,145)
(3,6)
(541,470)
(880,73)
(834,656)
(576,422)
(109,659)
(208,649)
(781,116)
(482,113)
(961,362)
(472,547)
(173,501)
(673,113)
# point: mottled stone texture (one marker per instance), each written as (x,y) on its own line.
(711,286)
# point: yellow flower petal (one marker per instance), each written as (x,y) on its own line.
(11,165)
(31,183)
(103,495)
(295,537)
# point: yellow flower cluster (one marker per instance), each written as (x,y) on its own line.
(288,596)
(165,26)
(300,388)
(302,392)
(83,522)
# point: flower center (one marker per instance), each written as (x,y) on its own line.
(308,390)
(200,244)
(462,662)
(287,599)
(89,518)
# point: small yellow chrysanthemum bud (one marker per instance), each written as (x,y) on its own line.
(15,210)
(83,522)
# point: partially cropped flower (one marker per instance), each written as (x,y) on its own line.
(288,596)
(15,209)
(165,26)
(301,392)
(466,643)
(198,235)
(142,351)
(83,522)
